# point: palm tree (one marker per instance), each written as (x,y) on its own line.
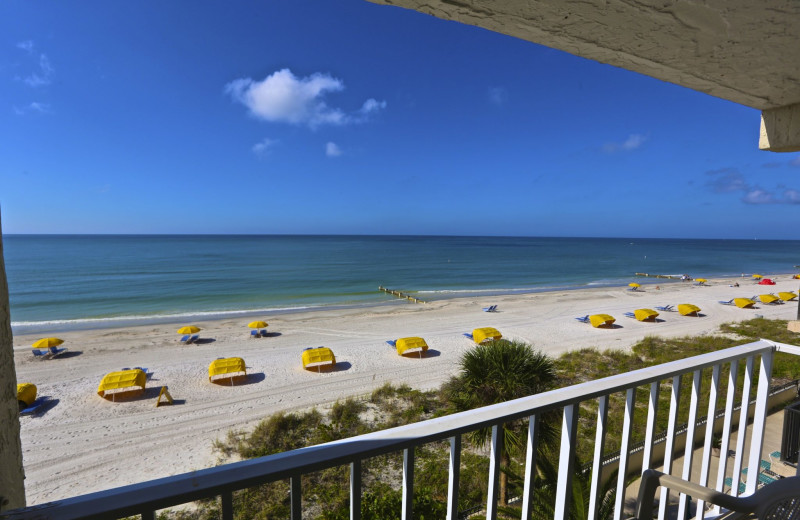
(493,373)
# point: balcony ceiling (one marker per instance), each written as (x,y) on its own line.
(744,51)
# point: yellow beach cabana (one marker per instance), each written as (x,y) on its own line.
(645,314)
(26,393)
(768,298)
(601,320)
(485,334)
(404,345)
(226,368)
(317,357)
(796,277)
(787,295)
(687,309)
(743,303)
(127,382)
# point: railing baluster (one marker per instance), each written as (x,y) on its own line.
(149,515)
(494,472)
(227,506)
(296,498)
(355,490)
(408,483)
(742,431)
(759,422)
(454,477)
(597,462)
(624,449)
(674,400)
(705,464)
(530,466)
(569,427)
(725,444)
(691,426)
(652,412)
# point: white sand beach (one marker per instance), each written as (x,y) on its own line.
(84,443)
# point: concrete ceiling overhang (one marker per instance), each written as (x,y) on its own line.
(745,51)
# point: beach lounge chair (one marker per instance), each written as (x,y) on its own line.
(490,308)
(55,351)
(34,407)
(263,333)
(254,334)
(185,339)
(729,302)
(630,315)
(41,354)
(583,319)
(193,339)
(393,343)
(666,308)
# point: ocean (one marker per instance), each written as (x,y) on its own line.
(64,282)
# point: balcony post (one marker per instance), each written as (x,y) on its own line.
(705,464)
(742,431)
(674,400)
(408,483)
(759,422)
(691,427)
(295,497)
(597,463)
(624,449)
(454,477)
(530,467)
(569,427)
(355,490)
(494,472)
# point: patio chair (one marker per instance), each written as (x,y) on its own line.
(193,338)
(777,500)
(185,339)
(263,333)
(254,334)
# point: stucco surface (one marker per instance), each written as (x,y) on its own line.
(740,50)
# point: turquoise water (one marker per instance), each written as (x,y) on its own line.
(86,281)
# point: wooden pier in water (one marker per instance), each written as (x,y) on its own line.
(400,295)
(669,276)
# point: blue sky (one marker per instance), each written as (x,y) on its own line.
(348,117)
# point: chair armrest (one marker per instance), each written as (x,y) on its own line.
(651,479)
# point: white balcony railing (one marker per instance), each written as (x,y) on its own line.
(146,498)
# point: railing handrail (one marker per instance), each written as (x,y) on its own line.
(168,491)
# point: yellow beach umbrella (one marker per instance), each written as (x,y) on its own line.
(687,309)
(48,342)
(743,303)
(257,324)
(787,295)
(189,329)
(768,298)
(645,314)
(797,276)
(634,285)
(601,320)
(757,276)
(700,280)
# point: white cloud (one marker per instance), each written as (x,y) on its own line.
(332,150)
(39,108)
(264,148)
(633,142)
(43,76)
(759,196)
(284,98)
(26,46)
(498,95)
